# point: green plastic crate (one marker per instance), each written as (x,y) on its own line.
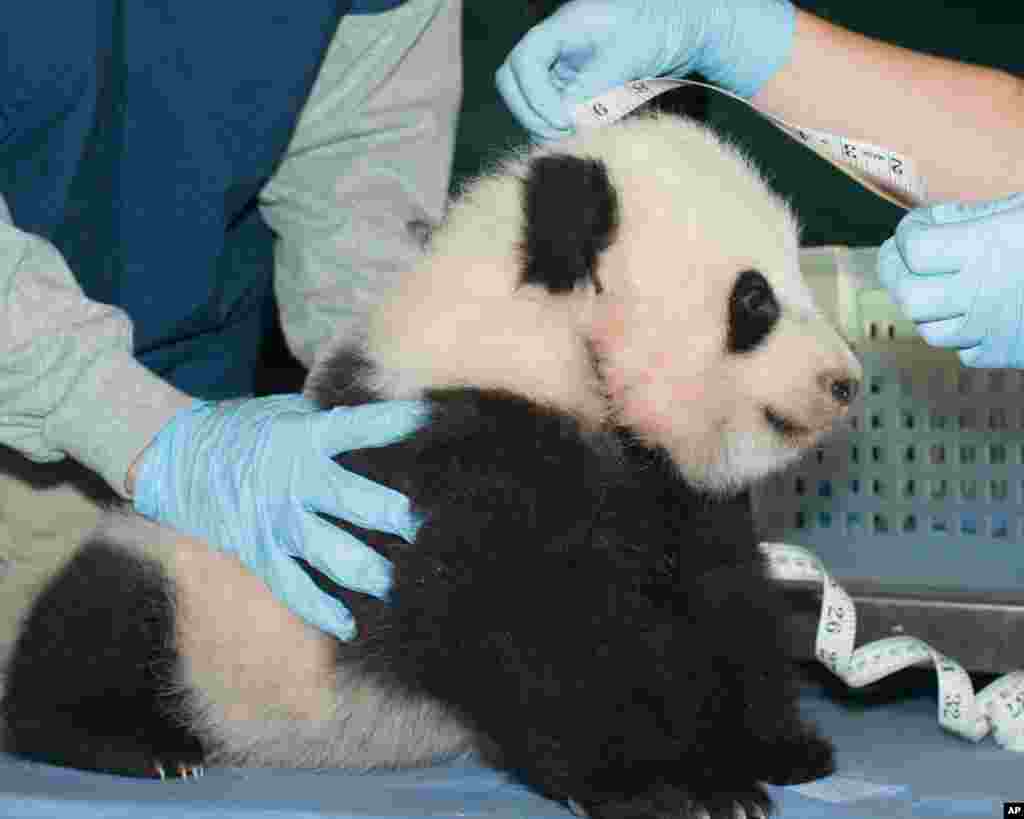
(924,487)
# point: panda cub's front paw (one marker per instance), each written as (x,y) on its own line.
(800,760)
(750,804)
(668,802)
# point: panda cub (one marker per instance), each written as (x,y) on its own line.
(613,341)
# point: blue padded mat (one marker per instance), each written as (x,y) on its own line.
(894,762)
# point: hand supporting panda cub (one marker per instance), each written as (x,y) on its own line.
(254,476)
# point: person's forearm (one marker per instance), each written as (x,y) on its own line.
(365,161)
(111,414)
(69,384)
(962,124)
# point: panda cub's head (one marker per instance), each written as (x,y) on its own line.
(640,275)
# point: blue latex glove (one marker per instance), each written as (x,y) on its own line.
(958,272)
(248,477)
(589,46)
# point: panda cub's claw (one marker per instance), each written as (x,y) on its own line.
(750,810)
(190,771)
(744,808)
(179,770)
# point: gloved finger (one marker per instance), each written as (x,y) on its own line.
(946,212)
(933,249)
(1001,328)
(936,298)
(369,505)
(923,298)
(972,356)
(344,558)
(369,425)
(544,60)
(890,265)
(540,67)
(957,333)
(292,586)
(568,65)
(526,83)
(605,71)
(278,404)
(929,249)
(989,355)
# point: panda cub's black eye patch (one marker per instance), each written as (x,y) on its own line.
(753,311)
(571,212)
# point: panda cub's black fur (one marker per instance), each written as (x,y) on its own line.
(608,629)
(604,629)
(89,684)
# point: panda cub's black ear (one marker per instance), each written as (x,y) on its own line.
(571,215)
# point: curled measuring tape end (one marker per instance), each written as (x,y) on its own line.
(997,709)
(885,173)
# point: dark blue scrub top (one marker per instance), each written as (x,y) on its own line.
(135,136)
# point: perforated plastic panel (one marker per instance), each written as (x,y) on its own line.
(925,487)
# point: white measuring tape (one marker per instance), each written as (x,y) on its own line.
(999,707)
(892,176)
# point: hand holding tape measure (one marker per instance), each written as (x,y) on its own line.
(956,270)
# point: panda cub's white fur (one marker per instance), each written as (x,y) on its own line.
(693,211)
(259,686)
(633,291)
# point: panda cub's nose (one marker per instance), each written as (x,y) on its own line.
(842,387)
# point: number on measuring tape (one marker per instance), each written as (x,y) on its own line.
(886,173)
(997,709)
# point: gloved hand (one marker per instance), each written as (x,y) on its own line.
(249,475)
(957,270)
(589,46)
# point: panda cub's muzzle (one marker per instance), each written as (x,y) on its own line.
(811,417)
(810,406)
(840,388)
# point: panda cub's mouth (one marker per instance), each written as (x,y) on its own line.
(786,427)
